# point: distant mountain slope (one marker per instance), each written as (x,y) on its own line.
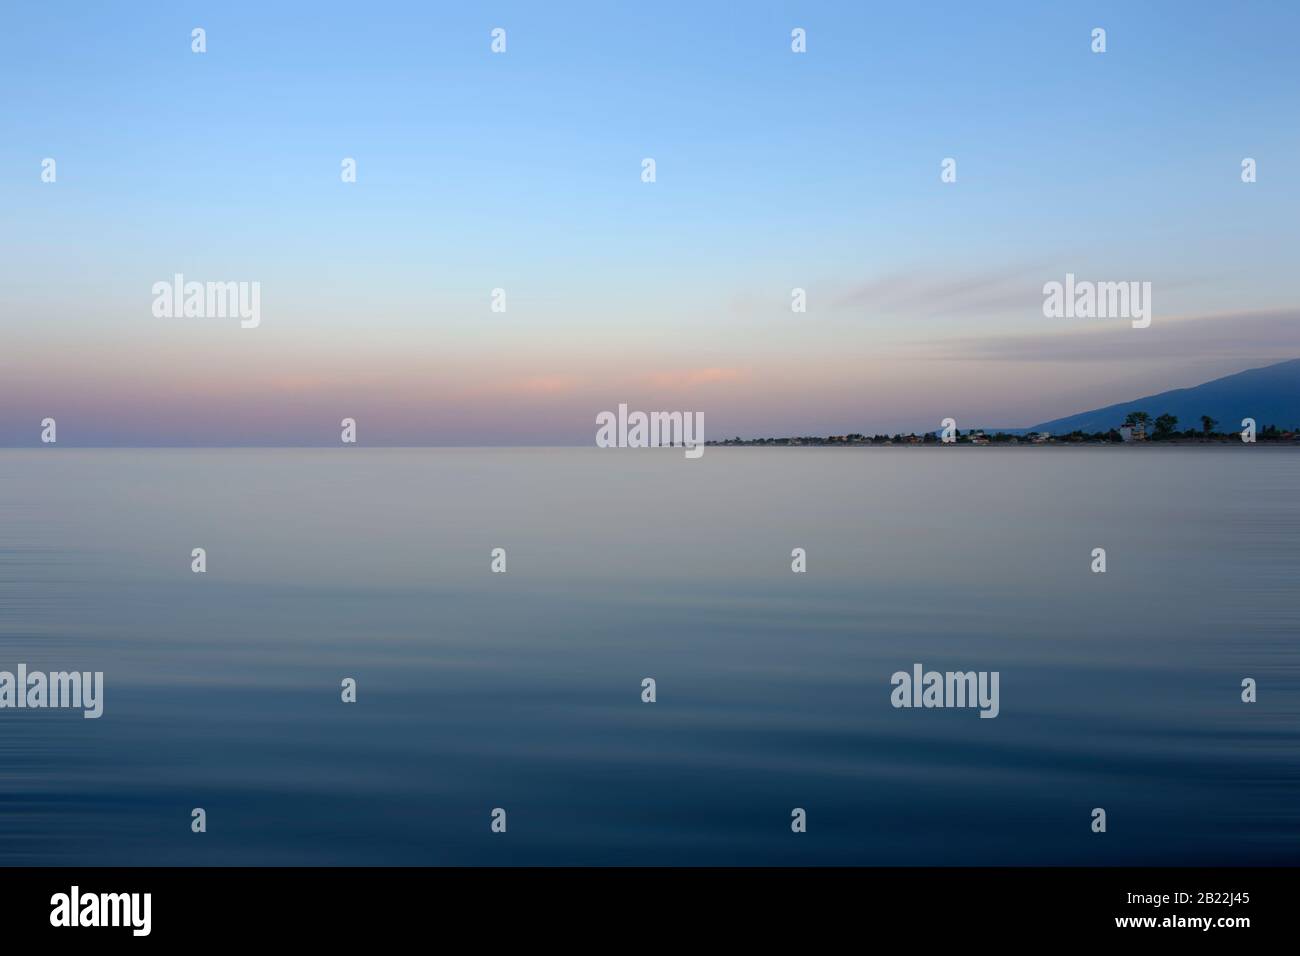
(1270,395)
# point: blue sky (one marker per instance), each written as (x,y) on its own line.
(521,171)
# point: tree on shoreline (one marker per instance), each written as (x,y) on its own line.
(1138,418)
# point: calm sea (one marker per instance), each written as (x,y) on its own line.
(523,690)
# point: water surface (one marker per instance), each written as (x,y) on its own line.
(522,690)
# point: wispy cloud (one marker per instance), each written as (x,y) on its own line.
(543,385)
(686,378)
(1264,335)
(923,295)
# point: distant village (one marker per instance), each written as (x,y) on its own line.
(1137,427)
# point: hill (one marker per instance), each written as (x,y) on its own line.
(1270,395)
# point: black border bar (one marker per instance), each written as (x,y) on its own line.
(659,905)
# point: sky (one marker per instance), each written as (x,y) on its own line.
(522,171)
